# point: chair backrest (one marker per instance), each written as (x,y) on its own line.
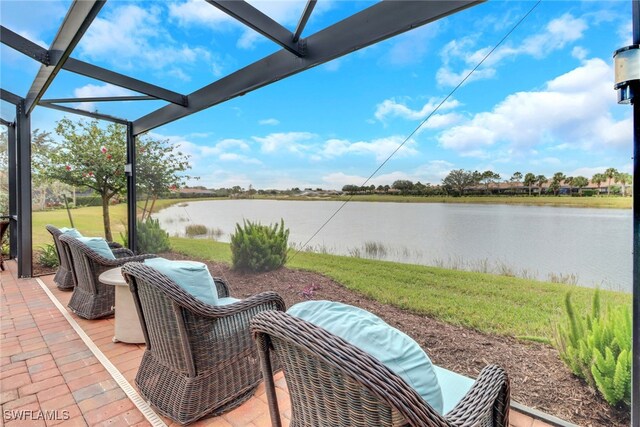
(332,383)
(86,264)
(173,327)
(62,251)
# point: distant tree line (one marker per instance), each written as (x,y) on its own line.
(460,182)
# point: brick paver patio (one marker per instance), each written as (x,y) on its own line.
(49,376)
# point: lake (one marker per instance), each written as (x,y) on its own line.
(590,247)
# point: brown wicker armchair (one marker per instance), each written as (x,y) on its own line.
(92,299)
(200,359)
(333,384)
(64,276)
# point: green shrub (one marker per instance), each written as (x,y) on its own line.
(152,239)
(48,256)
(589,193)
(193,230)
(256,247)
(598,349)
(87,201)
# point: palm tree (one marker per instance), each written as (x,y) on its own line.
(580,182)
(529,180)
(516,177)
(610,174)
(558,177)
(541,180)
(598,179)
(624,179)
(569,181)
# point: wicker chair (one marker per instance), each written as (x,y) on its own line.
(200,359)
(64,276)
(333,384)
(4,226)
(92,299)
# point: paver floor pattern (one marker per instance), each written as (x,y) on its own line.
(47,369)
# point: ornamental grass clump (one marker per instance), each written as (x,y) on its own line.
(597,348)
(48,256)
(256,247)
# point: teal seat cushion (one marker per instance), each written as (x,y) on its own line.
(71,232)
(396,350)
(454,386)
(191,276)
(98,245)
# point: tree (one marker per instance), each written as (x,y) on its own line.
(529,180)
(403,185)
(580,182)
(541,180)
(569,181)
(610,174)
(598,179)
(488,178)
(159,169)
(94,157)
(516,177)
(459,180)
(557,179)
(624,179)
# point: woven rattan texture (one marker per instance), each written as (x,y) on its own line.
(200,360)
(92,299)
(332,383)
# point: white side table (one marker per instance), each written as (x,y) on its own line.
(128,327)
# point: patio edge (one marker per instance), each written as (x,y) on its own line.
(539,415)
(122,382)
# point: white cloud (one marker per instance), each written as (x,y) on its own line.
(139,37)
(411,47)
(239,158)
(95,91)
(431,172)
(587,172)
(463,55)
(381,148)
(269,122)
(573,108)
(293,142)
(197,12)
(393,108)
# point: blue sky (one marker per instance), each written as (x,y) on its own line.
(542,102)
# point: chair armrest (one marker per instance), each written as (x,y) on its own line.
(121,252)
(114,245)
(222,286)
(489,396)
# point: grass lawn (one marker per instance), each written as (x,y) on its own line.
(612,202)
(485,302)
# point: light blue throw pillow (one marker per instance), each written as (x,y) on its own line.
(191,276)
(99,245)
(71,232)
(396,350)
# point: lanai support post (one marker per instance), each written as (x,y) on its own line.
(23,189)
(13,190)
(130,170)
(635,368)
